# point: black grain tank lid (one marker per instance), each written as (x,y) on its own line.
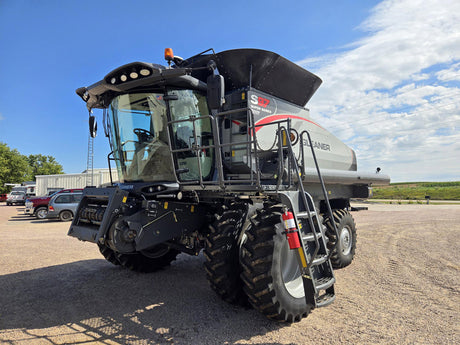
(271,73)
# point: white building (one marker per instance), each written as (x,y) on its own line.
(47,183)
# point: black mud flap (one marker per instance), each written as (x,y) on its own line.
(96,211)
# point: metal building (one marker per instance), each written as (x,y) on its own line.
(48,183)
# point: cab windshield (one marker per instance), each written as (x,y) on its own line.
(139,136)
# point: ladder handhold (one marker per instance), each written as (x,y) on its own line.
(307,214)
(311,237)
(320,260)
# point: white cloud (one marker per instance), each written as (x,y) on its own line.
(1,117)
(393,96)
(452,73)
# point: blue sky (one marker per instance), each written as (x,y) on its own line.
(390,69)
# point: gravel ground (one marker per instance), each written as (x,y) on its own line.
(402,288)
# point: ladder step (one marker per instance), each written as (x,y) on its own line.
(307,214)
(325,300)
(311,236)
(320,260)
(324,283)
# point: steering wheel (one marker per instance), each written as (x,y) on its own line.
(144,135)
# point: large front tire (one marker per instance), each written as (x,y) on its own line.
(343,247)
(270,270)
(222,254)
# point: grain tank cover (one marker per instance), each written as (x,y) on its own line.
(271,73)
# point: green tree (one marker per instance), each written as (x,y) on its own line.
(14,167)
(43,165)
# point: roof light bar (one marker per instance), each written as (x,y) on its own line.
(129,73)
(144,72)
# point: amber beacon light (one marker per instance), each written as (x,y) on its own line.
(169,55)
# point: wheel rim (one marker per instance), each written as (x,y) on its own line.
(66,215)
(345,240)
(41,214)
(292,278)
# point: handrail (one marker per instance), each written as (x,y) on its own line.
(323,187)
(304,199)
(218,145)
(110,168)
(294,164)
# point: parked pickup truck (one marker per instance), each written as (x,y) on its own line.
(16,197)
(38,206)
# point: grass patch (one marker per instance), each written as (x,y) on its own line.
(418,191)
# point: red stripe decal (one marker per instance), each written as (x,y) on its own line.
(273,118)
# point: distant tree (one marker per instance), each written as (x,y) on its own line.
(14,167)
(43,165)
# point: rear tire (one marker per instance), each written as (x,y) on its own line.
(66,216)
(41,212)
(150,260)
(344,251)
(270,270)
(222,254)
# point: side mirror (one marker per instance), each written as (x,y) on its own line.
(92,126)
(216,88)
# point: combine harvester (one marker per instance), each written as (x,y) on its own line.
(218,152)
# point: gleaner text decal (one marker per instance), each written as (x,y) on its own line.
(317,145)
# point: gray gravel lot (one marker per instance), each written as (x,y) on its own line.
(402,288)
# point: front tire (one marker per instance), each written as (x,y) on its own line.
(343,247)
(271,273)
(108,254)
(222,254)
(41,212)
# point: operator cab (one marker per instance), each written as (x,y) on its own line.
(138,126)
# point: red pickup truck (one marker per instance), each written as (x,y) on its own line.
(38,205)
